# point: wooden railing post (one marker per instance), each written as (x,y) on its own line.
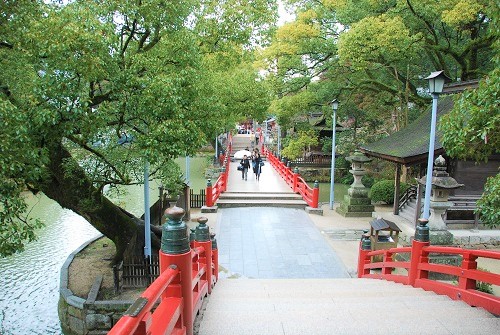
(295,179)
(202,239)
(418,255)
(363,259)
(215,257)
(209,201)
(224,179)
(315,195)
(468,263)
(175,250)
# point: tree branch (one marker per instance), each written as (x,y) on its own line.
(96,153)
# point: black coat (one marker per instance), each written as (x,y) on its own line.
(257,169)
(245,163)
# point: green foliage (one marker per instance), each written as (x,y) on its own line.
(470,130)
(77,76)
(483,286)
(383,190)
(488,205)
(298,146)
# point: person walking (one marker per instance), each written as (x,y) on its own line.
(257,164)
(245,163)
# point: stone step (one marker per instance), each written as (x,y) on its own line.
(407,214)
(336,306)
(226,203)
(260,196)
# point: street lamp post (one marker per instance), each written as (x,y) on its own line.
(125,139)
(436,83)
(279,140)
(335,106)
(216,148)
(147,220)
(188,170)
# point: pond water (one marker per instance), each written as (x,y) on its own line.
(29,281)
(339,189)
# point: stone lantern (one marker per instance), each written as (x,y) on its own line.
(442,183)
(357,203)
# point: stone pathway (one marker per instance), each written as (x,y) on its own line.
(269,242)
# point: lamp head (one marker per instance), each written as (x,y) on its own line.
(436,81)
(335,104)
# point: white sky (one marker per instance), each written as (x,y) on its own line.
(284,16)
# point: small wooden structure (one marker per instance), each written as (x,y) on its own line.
(385,240)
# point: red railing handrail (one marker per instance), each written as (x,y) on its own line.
(129,323)
(294,180)
(418,268)
(214,191)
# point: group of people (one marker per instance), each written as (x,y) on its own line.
(256,164)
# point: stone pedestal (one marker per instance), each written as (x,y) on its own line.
(357,203)
(442,184)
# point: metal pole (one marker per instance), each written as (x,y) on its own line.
(430,160)
(147,220)
(332,172)
(279,141)
(188,170)
(265,132)
(216,149)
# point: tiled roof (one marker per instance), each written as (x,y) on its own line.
(411,144)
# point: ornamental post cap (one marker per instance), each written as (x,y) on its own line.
(174,213)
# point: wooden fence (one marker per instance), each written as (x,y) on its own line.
(134,272)
(197,200)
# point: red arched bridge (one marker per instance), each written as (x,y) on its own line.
(393,294)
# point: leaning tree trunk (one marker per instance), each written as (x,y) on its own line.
(68,185)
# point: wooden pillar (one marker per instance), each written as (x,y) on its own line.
(397,182)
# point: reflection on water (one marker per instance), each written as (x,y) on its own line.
(29,282)
(339,191)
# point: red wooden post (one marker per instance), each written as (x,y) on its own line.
(363,259)
(468,263)
(215,257)
(224,179)
(295,179)
(175,250)
(387,258)
(418,255)
(315,195)
(209,201)
(202,239)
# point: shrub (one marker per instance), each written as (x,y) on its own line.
(384,191)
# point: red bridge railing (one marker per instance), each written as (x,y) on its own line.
(294,180)
(415,271)
(186,278)
(213,191)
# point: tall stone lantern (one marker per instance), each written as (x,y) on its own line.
(357,203)
(442,184)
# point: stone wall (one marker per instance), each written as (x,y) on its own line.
(84,316)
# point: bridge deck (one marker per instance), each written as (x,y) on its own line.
(270,180)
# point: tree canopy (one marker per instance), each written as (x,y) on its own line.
(373,55)
(91,90)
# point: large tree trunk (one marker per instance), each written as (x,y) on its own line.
(67,184)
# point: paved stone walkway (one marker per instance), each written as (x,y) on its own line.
(268,242)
